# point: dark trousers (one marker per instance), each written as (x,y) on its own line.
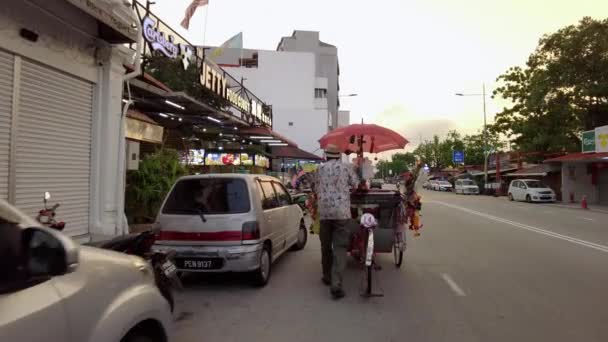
(335,238)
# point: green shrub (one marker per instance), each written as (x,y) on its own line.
(148,186)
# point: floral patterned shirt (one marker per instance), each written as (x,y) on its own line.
(333,181)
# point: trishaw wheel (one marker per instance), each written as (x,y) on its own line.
(398,255)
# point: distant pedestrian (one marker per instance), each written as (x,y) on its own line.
(333,182)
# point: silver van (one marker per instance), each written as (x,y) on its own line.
(230,223)
(466,186)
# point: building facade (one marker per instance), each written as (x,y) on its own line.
(61,81)
(327,69)
(288,81)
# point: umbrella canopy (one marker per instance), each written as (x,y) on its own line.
(375,138)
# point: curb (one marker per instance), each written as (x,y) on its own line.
(581,209)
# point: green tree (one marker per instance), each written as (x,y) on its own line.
(562,90)
(171,72)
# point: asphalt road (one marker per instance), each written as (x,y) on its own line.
(484,269)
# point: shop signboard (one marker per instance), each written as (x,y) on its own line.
(246,159)
(213,159)
(588,141)
(601,139)
(458,157)
(230,158)
(261,161)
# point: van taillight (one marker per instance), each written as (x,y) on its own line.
(251,231)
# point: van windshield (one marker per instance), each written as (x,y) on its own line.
(468,182)
(209,196)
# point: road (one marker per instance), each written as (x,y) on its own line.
(484,269)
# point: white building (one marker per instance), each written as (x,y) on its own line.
(61,82)
(286,80)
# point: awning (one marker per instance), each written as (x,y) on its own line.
(491,172)
(580,158)
(265,132)
(116,16)
(534,171)
(292,152)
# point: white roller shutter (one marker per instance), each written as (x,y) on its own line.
(54,144)
(6,101)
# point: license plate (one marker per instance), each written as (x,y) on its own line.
(169,269)
(201,264)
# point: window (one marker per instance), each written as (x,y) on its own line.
(290,123)
(209,196)
(320,93)
(269,198)
(522,185)
(284,198)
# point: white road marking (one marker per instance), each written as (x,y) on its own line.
(452,284)
(585,218)
(589,244)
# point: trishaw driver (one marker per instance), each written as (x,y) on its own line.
(333,182)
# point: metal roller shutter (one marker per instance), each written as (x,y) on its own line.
(6,101)
(54,144)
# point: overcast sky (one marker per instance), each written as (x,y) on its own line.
(405,58)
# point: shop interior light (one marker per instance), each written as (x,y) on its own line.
(243,141)
(221,148)
(271,141)
(278,144)
(210,118)
(204,130)
(250,143)
(180,119)
(233,139)
(221,134)
(174,104)
(261,137)
(236,128)
(163,115)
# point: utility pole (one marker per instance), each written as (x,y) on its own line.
(485,138)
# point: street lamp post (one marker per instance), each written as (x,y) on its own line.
(485,132)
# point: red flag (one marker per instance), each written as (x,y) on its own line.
(190,11)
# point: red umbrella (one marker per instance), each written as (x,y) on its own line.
(368,137)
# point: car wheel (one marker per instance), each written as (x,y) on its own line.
(528,199)
(139,337)
(302,238)
(261,276)
(511,197)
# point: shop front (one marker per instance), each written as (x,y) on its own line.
(585,174)
(57,72)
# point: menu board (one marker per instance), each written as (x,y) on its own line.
(193,157)
(246,159)
(230,159)
(262,161)
(213,159)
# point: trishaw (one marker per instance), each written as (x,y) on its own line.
(380,217)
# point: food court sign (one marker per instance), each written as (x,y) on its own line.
(216,81)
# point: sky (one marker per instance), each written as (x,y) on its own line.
(405,59)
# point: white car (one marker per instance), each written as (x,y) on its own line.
(466,186)
(52,289)
(530,190)
(230,223)
(443,186)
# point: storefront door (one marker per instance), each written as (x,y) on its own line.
(603,185)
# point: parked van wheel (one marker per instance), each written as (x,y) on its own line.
(261,276)
(302,238)
(510,197)
(528,199)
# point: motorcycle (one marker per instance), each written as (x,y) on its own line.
(46,216)
(140,244)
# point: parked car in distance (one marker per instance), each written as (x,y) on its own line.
(466,186)
(530,190)
(426,185)
(433,185)
(230,223)
(376,184)
(58,285)
(443,186)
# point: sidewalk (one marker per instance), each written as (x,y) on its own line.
(577,206)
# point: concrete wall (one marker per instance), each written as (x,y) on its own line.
(74,52)
(579,183)
(343,118)
(286,80)
(326,58)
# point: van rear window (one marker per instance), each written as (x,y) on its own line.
(209,196)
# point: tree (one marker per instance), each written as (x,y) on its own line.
(399,163)
(562,90)
(171,72)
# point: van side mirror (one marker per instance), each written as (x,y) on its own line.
(48,252)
